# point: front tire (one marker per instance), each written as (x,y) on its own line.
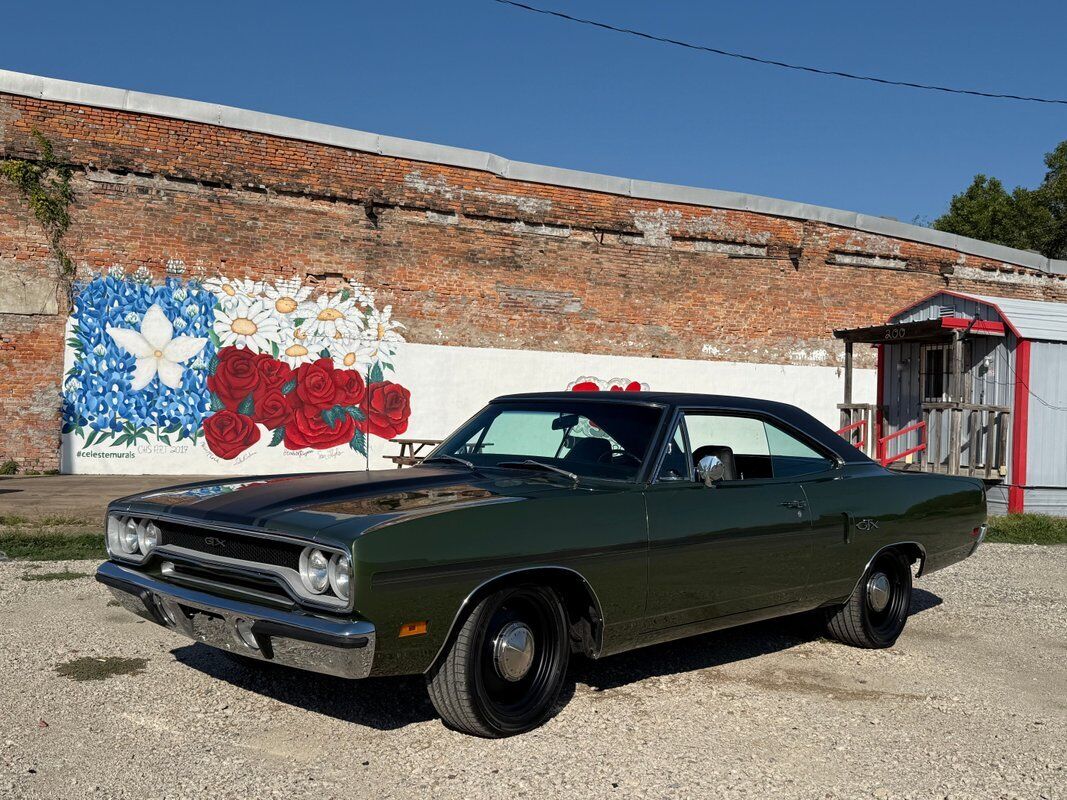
(875,614)
(504,670)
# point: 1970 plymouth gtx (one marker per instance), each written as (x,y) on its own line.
(548,524)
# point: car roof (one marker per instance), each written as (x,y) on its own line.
(666,398)
(791,415)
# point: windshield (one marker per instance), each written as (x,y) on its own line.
(588,438)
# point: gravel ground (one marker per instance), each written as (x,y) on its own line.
(970,703)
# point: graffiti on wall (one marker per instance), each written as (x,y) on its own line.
(224,363)
(588,383)
(591,384)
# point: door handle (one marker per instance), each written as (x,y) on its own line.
(799,504)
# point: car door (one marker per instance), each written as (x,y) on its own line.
(739,546)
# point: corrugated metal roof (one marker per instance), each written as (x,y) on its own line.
(1033,319)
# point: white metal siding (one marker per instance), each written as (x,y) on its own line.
(1047,430)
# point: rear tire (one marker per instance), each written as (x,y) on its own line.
(504,670)
(875,614)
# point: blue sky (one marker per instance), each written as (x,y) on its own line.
(475,74)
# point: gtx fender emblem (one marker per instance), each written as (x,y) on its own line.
(214,541)
(867,525)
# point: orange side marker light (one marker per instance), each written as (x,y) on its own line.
(413,629)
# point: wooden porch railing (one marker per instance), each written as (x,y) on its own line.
(882,455)
(966,439)
(950,438)
(856,422)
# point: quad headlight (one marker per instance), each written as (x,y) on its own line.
(320,571)
(340,575)
(129,536)
(314,570)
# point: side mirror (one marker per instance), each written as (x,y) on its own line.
(711,470)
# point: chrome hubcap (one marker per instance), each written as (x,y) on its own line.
(878,591)
(513,651)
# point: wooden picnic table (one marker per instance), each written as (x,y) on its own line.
(409,451)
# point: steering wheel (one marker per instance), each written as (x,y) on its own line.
(620,455)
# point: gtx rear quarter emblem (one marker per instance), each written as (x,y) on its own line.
(867,524)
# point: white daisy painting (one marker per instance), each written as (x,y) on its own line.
(251,324)
(286,295)
(229,291)
(330,317)
(381,332)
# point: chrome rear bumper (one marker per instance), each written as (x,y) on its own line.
(343,648)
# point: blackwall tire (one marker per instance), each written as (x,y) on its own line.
(504,670)
(871,618)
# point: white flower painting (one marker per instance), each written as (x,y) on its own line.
(156,350)
(298,324)
(229,291)
(251,324)
(286,295)
(331,317)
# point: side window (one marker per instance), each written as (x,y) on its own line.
(750,448)
(790,456)
(739,442)
(676,465)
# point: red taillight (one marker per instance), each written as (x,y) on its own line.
(976,533)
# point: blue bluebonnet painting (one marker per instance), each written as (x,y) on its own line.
(103,396)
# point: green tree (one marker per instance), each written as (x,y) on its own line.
(1029,219)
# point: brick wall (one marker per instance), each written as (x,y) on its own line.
(472,258)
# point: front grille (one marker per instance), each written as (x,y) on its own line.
(261,588)
(232,545)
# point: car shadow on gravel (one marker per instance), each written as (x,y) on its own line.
(391,703)
(381,703)
(714,649)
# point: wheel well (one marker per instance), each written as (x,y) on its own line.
(914,552)
(585,620)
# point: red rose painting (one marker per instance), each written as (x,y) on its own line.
(229,434)
(591,384)
(314,432)
(585,386)
(315,386)
(271,409)
(236,376)
(388,406)
(315,406)
(349,387)
(274,374)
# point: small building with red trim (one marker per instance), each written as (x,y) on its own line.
(970,385)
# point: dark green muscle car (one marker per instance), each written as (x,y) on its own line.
(547,525)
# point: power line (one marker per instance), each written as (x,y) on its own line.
(773,63)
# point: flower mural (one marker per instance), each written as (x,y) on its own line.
(591,384)
(231,361)
(588,383)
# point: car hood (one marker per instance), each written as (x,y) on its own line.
(336,506)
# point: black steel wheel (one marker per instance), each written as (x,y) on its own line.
(504,670)
(877,611)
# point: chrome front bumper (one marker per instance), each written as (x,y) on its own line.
(343,648)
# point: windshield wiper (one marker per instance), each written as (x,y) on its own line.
(447,457)
(529,463)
